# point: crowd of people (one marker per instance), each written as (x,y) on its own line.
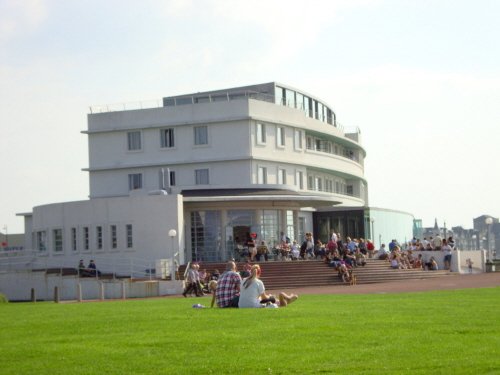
(346,255)
(244,288)
(234,289)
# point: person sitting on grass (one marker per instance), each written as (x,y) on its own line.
(228,287)
(212,287)
(253,292)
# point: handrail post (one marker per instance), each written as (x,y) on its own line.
(79,292)
(56,294)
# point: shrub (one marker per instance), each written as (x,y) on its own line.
(3,298)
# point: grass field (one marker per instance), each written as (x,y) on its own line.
(442,332)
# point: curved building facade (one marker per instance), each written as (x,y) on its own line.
(256,159)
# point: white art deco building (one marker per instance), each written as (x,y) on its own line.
(210,166)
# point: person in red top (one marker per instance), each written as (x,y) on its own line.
(370,247)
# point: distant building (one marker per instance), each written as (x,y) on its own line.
(489,234)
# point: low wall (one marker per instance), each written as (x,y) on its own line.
(458,259)
(17,285)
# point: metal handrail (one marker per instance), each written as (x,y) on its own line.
(133,267)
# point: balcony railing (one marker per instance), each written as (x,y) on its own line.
(325,150)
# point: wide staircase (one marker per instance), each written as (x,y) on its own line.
(297,274)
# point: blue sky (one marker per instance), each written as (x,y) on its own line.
(419,78)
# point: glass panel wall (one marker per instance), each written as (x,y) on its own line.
(312,108)
(206,237)
(290,98)
(270,227)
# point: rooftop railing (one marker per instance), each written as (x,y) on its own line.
(222,97)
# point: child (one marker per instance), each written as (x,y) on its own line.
(469,264)
(212,286)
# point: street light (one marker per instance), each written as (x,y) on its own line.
(373,230)
(488,221)
(172,233)
(6,235)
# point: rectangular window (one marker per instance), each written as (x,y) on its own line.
(310,182)
(201,176)
(167,138)
(309,143)
(134,140)
(262,175)
(298,139)
(290,98)
(58,240)
(98,232)
(135,181)
(337,187)
(349,190)
(282,176)
(172,178)
(129,238)
(73,239)
(41,240)
(114,241)
(200,135)
(300,101)
(261,133)
(279,95)
(280,136)
(299,180)
(329,185)
(318,184)
(86,238)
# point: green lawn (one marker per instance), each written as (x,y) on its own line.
(442,332)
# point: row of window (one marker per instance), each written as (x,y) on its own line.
(314,183)
(201,177)
(312,143)
(80,238)
(167,138)
(261,136)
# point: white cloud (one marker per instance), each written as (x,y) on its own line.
(19,17)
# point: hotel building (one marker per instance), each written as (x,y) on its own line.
(194,175)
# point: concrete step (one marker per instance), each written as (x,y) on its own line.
(294,274)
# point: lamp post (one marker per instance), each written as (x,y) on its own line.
(372,220)
(172,233)
(6,235)
(488,221)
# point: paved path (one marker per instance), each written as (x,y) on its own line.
(482,280)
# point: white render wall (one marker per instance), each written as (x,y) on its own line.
(17,285)
(151,218)
(232,155)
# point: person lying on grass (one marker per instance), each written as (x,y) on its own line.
(253,292)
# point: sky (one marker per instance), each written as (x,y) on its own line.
(421,80)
